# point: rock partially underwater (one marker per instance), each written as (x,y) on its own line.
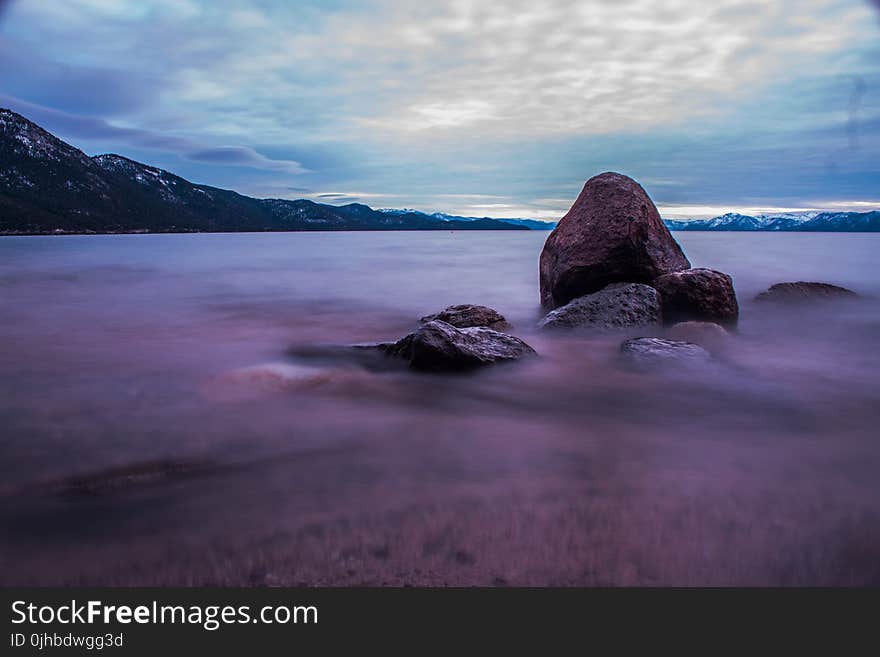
(469,315)
(440,347)
(647,353)
(804,292)
(708,335)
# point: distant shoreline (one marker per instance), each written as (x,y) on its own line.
(250,232)
(393,230)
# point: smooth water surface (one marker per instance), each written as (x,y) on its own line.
(155,428)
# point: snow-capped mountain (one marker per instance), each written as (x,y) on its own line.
(801,221)
(808,221)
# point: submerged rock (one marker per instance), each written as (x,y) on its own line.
(618,305)
(467,315)
(613,233)
(272,376)
(805,292)
(369,356)
(710,335)
(438,347)
(659,352)
(698,294)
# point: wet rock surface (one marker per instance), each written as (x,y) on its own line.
(698,294)
(660,352)
(618,305)
(468,315)
(441,347)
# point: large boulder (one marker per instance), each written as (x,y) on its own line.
(441,347)
(658,352)
(613,233)
(618,305)
(804,292)
(467,315)
(698,294)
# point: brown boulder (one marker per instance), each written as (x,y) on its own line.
(697,294)
(613,233)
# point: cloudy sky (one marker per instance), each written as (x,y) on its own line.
(487,108)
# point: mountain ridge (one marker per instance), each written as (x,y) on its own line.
(48,186)
(815,221)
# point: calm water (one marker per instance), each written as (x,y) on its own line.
(155,430)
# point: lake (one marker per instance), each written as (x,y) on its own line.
(156,429)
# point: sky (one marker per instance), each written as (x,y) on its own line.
(478,108)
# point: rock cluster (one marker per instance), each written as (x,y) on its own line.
(610,263)
(612,234)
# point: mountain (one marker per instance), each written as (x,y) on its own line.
(840,222)
(531,224)
(844,221)
(48,186)
(813,221)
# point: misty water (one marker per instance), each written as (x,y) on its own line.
(156,428)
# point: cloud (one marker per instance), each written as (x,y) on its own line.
(434,104)
(70,126)
(244,157)
(564,68)
(411,70)
(78,89)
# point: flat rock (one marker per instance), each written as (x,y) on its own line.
(468,315)
(618,305)
(440,347)
(612,234)
(698,294)
(805,292)
(659,352)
